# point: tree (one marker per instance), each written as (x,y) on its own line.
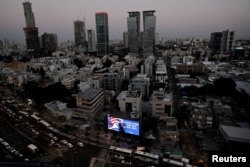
(224,86)
(42,73)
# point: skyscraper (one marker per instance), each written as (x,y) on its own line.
(80,33)
(149,22)
(227,41)
(91,40)
(133,32)
(222,42)
(29,15)
(49,43)
(31,31)
(102,33)
(215,42)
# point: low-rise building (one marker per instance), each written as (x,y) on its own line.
(168,132)
(130,101)
(69,82)
(190,68)
(142,83)
(161,104)
(59,109)
(89,103)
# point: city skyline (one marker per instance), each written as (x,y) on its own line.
(174,19)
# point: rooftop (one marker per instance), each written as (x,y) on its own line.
(89,93)
(237,134)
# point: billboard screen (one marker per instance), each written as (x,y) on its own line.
(123,125)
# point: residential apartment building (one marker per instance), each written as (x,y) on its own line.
(112,81)
(201,116)
(161,72)
(95,81)
(161,104)
(142,83)
(69,82)
(129,101)
(190,68)
(89,103)
(125,39)
(168,131)
(127,70)
(227,41)
(149,64)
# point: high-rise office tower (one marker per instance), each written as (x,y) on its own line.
(227,41)
(80,33)
(149,22)
(133,32)
(91,40)
(31,31)
(102,33)
(215,42)
(29,15)
(222,42)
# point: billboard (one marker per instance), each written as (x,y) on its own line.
(123,125)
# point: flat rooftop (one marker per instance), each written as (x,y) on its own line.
(237,134)
(89,93)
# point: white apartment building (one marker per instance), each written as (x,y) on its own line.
(161,104)
(69,82)
(95,81)
(141,82)
(133,61)
(59,109)
(117,67)
(84,73)
(89,103)
(161,72)
(127,70)
(83,85)
(129,101)
(149,62)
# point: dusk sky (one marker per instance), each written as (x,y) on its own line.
(174,18)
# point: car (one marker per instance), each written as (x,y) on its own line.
(58,145)
(69,145)
(63,141)
(80,144)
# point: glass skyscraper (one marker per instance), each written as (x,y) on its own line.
(133,22)
(149,22)
(102,33)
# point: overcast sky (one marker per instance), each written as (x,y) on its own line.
(174,18)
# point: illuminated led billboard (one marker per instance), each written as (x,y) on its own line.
(123,125)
